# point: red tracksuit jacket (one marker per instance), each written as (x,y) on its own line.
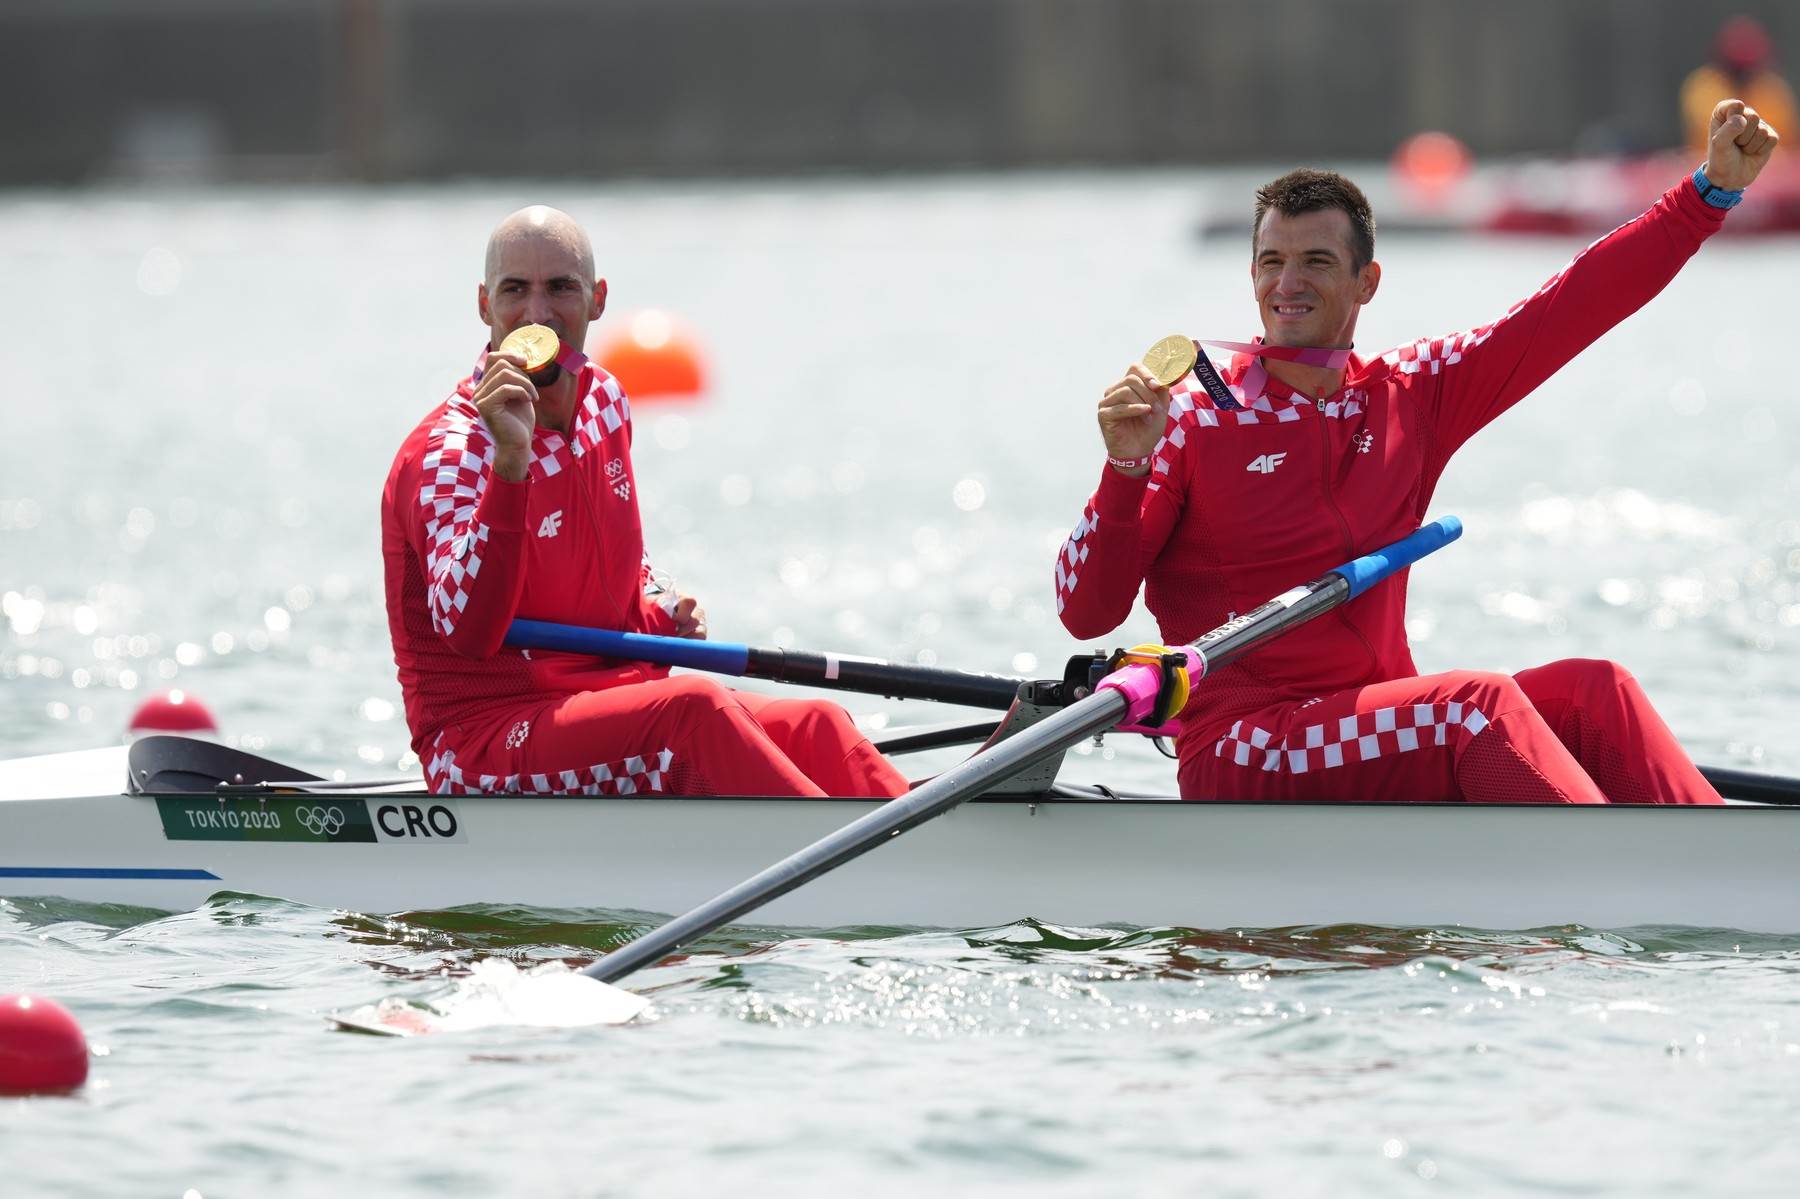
(465,552)
(1243,504)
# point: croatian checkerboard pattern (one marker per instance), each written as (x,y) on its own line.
(459,459)
(1361,737)
(603,411)
(636,775)
(1191,409)
(1432,355)
(1073,555)
(459,456)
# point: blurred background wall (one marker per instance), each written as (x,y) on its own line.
(98,90)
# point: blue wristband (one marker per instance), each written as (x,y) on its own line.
(1713,194)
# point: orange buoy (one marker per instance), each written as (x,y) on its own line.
(41,1046)
(1430,164)
(653,358)
(173,712)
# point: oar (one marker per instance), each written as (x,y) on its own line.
(942,736)
(841,672)
(1126,696)
(1752,785)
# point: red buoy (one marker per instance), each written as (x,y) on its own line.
(41,1047)
(653,358)
(173,712)
(1431,164)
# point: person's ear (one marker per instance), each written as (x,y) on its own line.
(1371,279)
(599,304)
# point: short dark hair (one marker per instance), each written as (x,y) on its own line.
(1309,190)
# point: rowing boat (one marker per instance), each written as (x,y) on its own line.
(69,827)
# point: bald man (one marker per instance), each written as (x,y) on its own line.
(516,498)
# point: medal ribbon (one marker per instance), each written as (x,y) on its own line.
(1304,355)
(1256,377)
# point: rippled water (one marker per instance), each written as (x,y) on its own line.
(1026,1058)
(203,399)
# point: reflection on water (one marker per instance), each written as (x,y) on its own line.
(1428,1051)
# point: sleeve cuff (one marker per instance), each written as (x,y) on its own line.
(657,620)
(1687,197)
(503,504)
(1120,497)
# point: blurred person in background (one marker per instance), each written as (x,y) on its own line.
(516,498)
(1302,455)
(1743,65)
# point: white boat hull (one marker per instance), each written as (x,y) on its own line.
(1138,862)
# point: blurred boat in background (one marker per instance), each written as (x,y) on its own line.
(1573,197)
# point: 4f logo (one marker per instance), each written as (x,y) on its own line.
(1265,464)
(551,525)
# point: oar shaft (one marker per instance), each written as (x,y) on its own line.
(837,672)
(1752,785)
(961,782)
(1240,634)
(1243,633)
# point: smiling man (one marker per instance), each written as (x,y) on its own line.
(1301,455)
(516,498)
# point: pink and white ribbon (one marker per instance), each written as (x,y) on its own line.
(1257,376)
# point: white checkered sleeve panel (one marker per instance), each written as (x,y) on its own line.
(605,410)
(1362,737)
(1191,411)
(1434,355)
(1072,555)
(639,774)
(1186,419)
(601,413)
(459,457)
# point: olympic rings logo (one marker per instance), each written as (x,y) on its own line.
(320,822)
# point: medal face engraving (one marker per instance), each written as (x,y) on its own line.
(1170,359)
(538,343)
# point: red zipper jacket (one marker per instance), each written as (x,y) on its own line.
(1242,504)
(466,551)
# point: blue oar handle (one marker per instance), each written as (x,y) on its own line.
(1368,570)
(838,672)
(721,657)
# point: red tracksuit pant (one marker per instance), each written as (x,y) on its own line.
(1576,731)
(683,735)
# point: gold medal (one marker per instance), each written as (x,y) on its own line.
(539,344)
(1170,359)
